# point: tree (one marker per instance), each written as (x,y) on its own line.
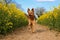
(39,11)
(7,2)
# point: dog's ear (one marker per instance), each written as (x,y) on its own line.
(32,9)
(28,10)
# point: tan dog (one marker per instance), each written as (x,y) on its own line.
(31,19)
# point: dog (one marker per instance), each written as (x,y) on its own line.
(31,19)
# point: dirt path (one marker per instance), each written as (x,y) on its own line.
(42,33)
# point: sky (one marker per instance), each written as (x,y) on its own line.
(47,4)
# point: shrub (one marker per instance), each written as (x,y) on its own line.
(51,19)
(11,18)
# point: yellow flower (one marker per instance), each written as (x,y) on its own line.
(1,5)
(5,8)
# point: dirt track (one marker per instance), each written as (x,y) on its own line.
(41,33)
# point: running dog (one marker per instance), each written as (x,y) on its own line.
(31,19)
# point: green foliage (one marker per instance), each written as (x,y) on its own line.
(51,19)
(11,18)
